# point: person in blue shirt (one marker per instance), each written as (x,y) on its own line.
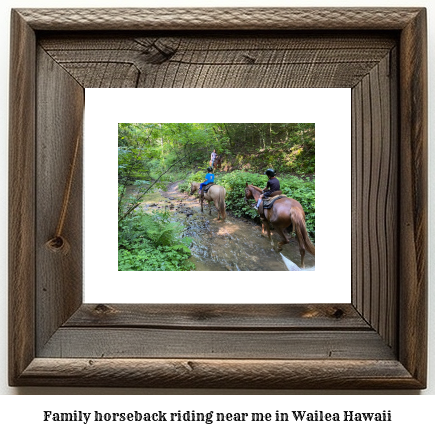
(209,178)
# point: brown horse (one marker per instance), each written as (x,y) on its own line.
(217,162)
(284,212)
(216,193)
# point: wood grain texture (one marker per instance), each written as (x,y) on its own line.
(378,342)
(413,188)
(227,374)
(21,197)
(375,198)
(220,317)
(95,342)
(60,105)
(388,299)
(220,18)
(235,61)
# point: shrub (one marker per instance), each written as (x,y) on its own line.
(302,190)
(152,242)
(235,184)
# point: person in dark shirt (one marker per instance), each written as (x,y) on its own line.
(271,187)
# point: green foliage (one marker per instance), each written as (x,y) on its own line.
(149,242)
(289,148)
(184,186)
(136,150)
(175,175)
(155,152)
(149,258)
(147,150)
(235,184)
(302,190)
(152,155)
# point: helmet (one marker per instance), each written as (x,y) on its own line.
(270,173)
(209,169)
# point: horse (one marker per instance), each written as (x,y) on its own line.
(284,212)
(217,162)
(216,193)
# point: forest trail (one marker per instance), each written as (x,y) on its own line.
(235,244)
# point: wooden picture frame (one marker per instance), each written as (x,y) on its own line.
(376,342)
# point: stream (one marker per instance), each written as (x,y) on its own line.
(235,244)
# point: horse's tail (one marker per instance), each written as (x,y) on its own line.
(221,203)
(298,220)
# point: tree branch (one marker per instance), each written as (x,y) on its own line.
(139,198)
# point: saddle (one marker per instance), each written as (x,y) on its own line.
(267,203)
(207,187)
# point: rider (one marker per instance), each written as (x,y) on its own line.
(271,187)
(213,157)
(209,178)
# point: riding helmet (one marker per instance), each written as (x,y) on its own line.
(270,173)
(209,169)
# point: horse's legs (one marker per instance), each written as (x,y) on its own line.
(209,207)
(265,229)
(283,235)
(216,205)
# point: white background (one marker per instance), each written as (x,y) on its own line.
(329,109)
(413,412)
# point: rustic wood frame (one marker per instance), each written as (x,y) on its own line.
(376,342)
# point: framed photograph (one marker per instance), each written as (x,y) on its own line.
(376,341)
(230,244)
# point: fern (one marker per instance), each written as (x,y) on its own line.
(152,242)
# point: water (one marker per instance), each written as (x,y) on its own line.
(230,245)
